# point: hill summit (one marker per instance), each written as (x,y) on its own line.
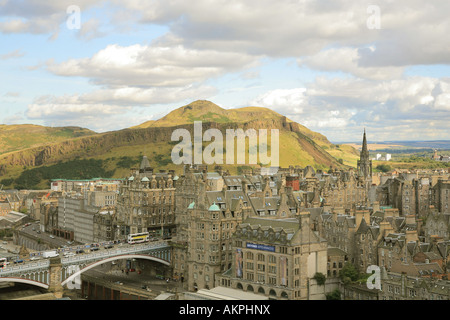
(120,150)
(207,111)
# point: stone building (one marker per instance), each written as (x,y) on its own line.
(75,221)
(48,214)
(276,256)
(400,286)
(209,207)
(441,196)
(414,193)
(104,224)
(203,245)
(336,261)
(146,203)
(344,189)
(437,224)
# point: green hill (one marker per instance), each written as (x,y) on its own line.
(116,152)
(22,136)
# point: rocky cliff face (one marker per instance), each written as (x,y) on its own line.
(100,144)
(298,144)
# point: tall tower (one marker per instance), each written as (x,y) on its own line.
(364,162)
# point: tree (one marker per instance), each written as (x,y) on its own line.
(334,295)
(384,167)
(349,273)
(320,278)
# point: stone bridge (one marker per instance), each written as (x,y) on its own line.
(55,273)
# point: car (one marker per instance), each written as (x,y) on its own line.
(69,254)
(108,246)
(52,236)
(80,251)
(94,249)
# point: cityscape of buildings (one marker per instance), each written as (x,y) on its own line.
(289,234)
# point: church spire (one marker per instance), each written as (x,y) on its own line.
(364,149)
(364,163)
(364,145)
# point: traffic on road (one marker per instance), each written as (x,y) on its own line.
(67,249)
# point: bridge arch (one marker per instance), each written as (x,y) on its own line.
(24,280)
(110,259)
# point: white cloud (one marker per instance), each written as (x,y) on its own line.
(152,66)
(91,29)
(208,39)
(285,101)
(116,107)
(411,31)
(387,108)
(347,60)
(37,17)
(12,55)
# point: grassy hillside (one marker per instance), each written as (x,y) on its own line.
(19,137)
(207,111)
(118,151)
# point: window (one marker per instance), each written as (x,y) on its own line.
(261,278)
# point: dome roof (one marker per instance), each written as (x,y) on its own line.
(214,207)
(145,179)
(191,206)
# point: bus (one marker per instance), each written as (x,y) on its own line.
(3,263)
(138,237)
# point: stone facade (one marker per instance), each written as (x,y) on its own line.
(146,203)
(277,256)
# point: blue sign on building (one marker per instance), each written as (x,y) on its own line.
(260,247)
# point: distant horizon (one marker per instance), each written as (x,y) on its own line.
(332,141)
(390,141)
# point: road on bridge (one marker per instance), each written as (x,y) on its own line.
(135,280)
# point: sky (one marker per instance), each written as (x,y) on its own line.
(337,67)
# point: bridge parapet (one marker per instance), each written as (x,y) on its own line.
(53,273)
(25,267)
(118,251)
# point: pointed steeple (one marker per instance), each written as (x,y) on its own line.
(364,139)
(364,163)
(364,149)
